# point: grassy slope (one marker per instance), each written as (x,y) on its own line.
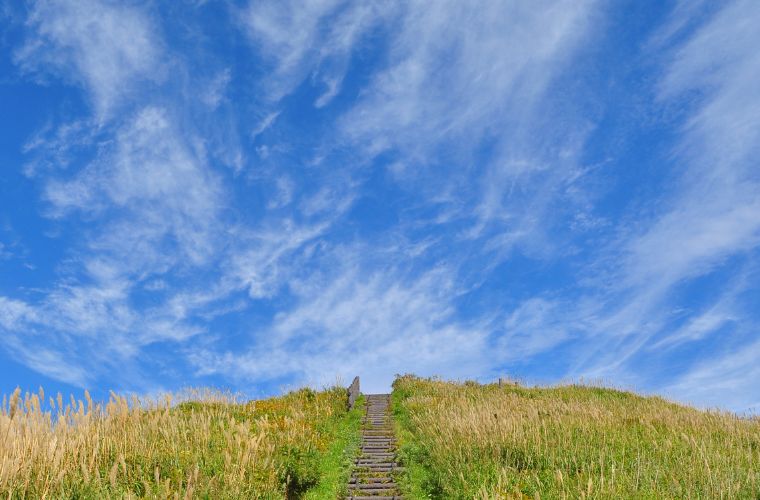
(275,448)
(485,441)
(336,463)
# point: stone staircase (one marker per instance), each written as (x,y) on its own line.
(375,468)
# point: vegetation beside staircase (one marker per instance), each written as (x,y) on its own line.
(467,440)
(427,439)
(209,445)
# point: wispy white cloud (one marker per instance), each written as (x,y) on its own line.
(349,321)
(31,349)
(103,46)
(716,211)
(13,313)
(4,252)
(713,211)
(466,91)
(309,39)
(54,364)
(54,148)
(454,79)
(725,381)
(265,123)
(284,187)
(700,326)
(152,207)
(465,72)
(520,338)
(214,92)
(265,260)
(382,240)
(151,184)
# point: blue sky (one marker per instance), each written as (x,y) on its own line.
(267,194)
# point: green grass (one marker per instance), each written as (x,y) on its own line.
(418,479)
(457,440)
(336,463)
(294,446)
(485,441)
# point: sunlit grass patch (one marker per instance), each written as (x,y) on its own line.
(489,441)
(208,446)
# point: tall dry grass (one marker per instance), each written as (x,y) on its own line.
(486,441)
(207,446)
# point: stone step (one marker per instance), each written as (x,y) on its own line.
(389,487)
(371,480)
(376,492)
(374,497)
(373,469)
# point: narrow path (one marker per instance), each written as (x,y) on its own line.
(374,469)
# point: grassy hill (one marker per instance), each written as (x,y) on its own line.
(456,440)
(211,447)
(486,441)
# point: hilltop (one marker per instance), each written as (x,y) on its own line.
(207,446)
(455,440)
(466,440)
